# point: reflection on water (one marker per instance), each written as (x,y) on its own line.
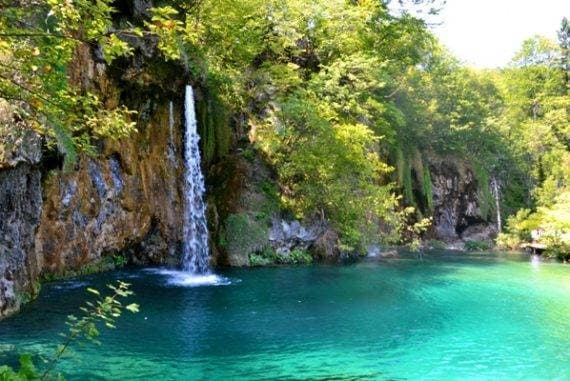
(449,316)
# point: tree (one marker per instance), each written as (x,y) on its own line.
(564,43)
(40,40)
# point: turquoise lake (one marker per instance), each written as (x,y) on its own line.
(444,317)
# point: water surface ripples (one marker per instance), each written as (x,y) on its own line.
(443,317)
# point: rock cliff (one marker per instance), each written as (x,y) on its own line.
(20,208)
(123,199)
(460,199)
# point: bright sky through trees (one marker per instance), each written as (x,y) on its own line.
(486,33)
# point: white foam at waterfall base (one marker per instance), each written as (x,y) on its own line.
(535,262)
(186,279)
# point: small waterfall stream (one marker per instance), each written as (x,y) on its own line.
(196,258)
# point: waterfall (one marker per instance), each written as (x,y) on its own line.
(195,251)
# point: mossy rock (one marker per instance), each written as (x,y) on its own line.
(244,235)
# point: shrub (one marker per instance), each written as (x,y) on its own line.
(477,245)
(435,244)
(508,241)
(120,260)
(556,247)
(104,310)
(298,256)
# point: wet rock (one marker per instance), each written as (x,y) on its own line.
(141,8)
(390,253)
(128,198)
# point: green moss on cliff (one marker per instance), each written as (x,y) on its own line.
(104,264)
(428,189)
(245,235)
(268,256)
(215,128)
(484,191)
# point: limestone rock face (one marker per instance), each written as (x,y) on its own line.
(18,143)
(20,207)
(128,198)
(326,246)
(285,236)
(456,197)
(125,199)
(249,219)
(479,232)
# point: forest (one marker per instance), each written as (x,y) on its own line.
(324,131)
(345,101)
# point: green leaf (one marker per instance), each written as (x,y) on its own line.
(93,291)
(133,307)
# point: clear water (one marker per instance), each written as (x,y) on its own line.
(446,317)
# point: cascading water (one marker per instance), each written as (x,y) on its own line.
(196,258)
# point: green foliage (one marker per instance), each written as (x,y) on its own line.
(427,189)
(298,256)
(248,154)
(268,256)
(104,310)
(214,127)
(27,371)
(535,89)
(120,260)
(557,247)
(485,196)
(40,40)
(319,74)
(332,94)
(407,183)
(477,245)
(265,257)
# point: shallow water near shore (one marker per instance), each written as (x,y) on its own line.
(445,316)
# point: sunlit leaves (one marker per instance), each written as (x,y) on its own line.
(168,28)
(39,44)
(104,310)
